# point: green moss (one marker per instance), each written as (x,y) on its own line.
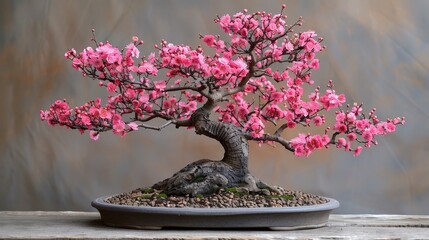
(285,197)
(231,189)
(199,196)
(162,195)
(236,191)
(199,179)
(148,190)
(147,196)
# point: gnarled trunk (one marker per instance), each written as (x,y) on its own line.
(207,176)
(232,140)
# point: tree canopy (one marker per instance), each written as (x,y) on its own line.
(254,77)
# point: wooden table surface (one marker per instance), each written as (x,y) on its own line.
(87,225)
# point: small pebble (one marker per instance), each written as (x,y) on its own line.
(222,199)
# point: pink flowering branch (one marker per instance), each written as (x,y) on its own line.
(255,77)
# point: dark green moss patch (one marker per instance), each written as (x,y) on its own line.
(285,197)
(201,196)
(199,179)
(148,190)
(162,195)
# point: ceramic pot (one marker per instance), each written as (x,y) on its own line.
(281,218)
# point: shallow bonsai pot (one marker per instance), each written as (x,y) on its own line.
(276,218)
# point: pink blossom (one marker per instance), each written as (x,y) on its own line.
(255,126)
(44,115)
(340,127)
(289,115)
(351,137)
(301,112)
(291,124)
(116,118)
(298,67)
(188,107)
(244,32)
(305,144)
(94,135)
(357,151)
(209,40)
(77,63)
(289,46)
(238,42)
(315,142)
(131,50)
(225,117)
(134,126)
(70,54)
(159,85)
(144,98)
(273,111)
(277,97)
(332,100)
(367,135)
(63,116)
(388,127)
(111,87)
(305,37)
(277,54)
(149,68)
(351,117)
(309,57)
(340,117)
(119,127)
(192,105)
(85,119)
(240,64)
(96,61)
(341,142)
(242,112)
(130,93)
(94,111)
(170,103)
(362,124)
(109,53)
(299,151)
(325,139)
(300,140)
(225,21)
(105,114)
(318,120)
(314,64)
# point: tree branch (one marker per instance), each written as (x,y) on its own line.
(156,128)
(279,131)
(268,137)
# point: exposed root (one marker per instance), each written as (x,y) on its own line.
(254,185)
(207,177)
(200,177)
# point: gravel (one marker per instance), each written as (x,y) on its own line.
(224,198)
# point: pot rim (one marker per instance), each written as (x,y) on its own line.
(100,204)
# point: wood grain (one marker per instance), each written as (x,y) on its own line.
(86,225)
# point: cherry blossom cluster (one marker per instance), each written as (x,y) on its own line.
(256,77)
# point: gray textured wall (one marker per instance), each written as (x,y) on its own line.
(377,53)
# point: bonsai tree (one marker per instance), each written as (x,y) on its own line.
(255,75)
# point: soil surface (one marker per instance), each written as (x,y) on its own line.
(224,198)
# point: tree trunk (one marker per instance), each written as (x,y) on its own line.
(206,176)
(232,140)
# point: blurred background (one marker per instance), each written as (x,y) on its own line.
(377,54)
